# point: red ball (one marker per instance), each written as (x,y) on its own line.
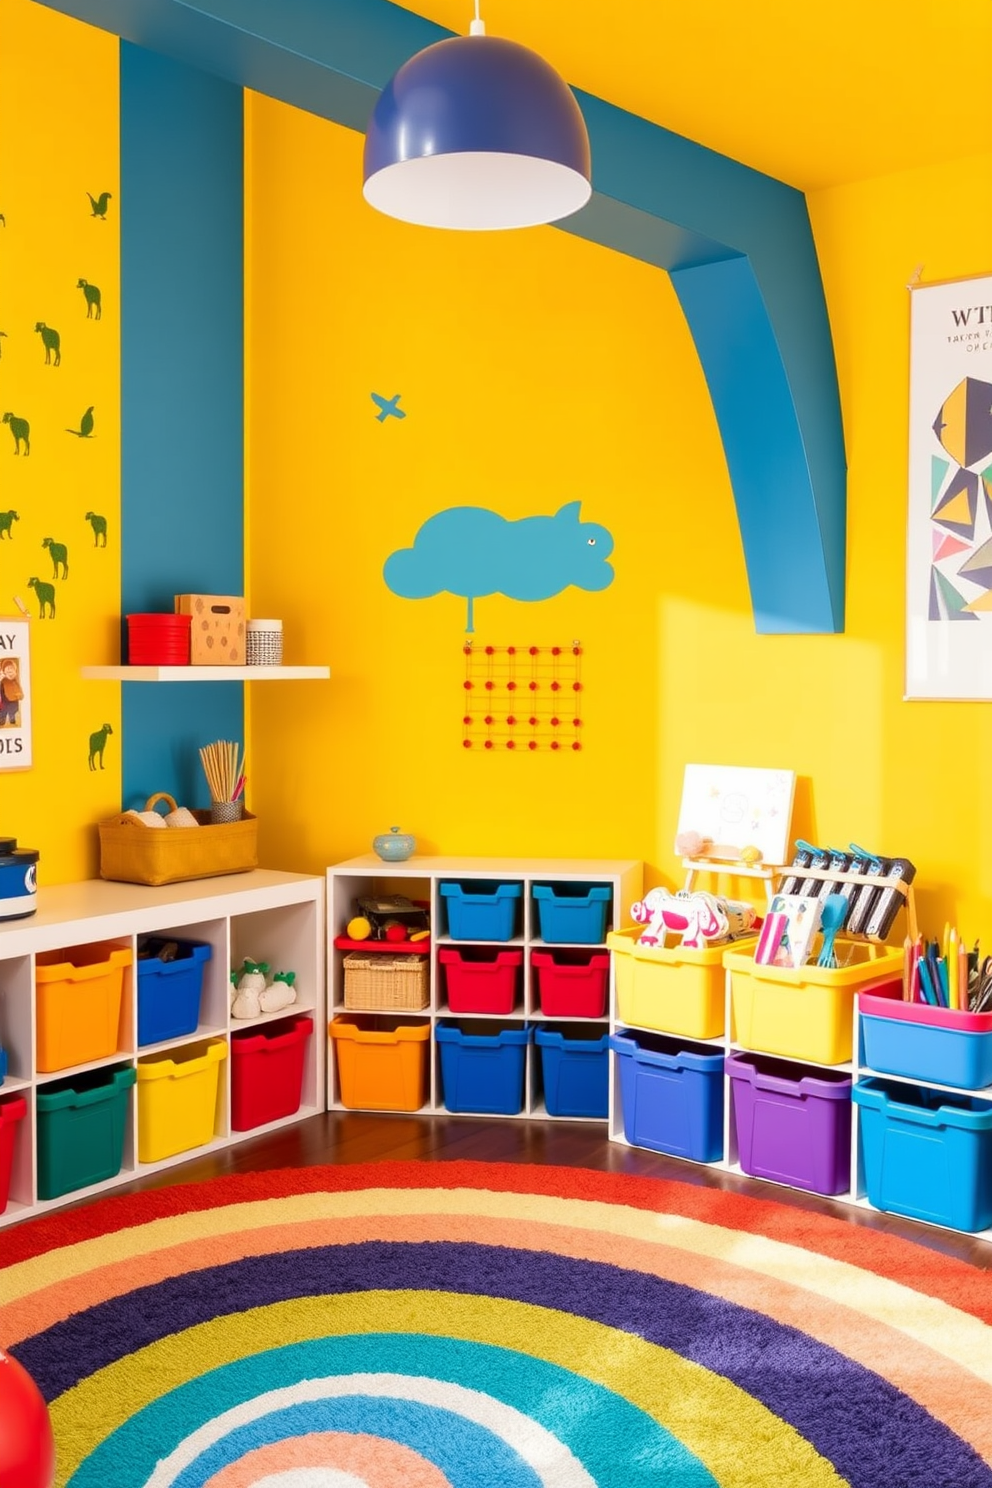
(27,1450)
(396,932)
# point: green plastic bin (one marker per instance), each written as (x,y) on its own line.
(81,1123)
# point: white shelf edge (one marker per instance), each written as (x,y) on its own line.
(205,673)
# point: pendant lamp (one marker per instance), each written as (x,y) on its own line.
(477,133)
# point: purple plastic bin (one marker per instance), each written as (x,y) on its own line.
(792,1127)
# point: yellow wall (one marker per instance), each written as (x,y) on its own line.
(535,369)
(58,141)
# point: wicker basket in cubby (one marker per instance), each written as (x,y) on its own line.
(391,983)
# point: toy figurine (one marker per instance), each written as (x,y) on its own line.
(280,993)
(249,985)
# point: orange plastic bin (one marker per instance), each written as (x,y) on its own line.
(79,994)
(381,1061)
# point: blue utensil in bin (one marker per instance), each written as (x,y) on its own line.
(169,991)
(482,911)
(572,913)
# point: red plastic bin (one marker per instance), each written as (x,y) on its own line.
(267,1072)
(158,640)
(11,1112)
(572,984)
(481,981)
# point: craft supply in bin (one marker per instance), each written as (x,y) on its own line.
(169,990)
(481,981)
(806,1012)
(571,984)
(482,1066)
(81,1124)
(927,1153)
(478,910)
(677,990)
(572,912)
(78,1000)
(267,1072)
(943,1046)
(177,1100)
(575,1069)
(375,981)
(12,1110)
(381,1062)
(672,1094)
(793,1124)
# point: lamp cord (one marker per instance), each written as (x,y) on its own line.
(478,26)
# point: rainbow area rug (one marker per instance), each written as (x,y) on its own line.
(476,1325)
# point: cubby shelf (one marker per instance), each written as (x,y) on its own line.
(418,878)
(278,916)
(205,673)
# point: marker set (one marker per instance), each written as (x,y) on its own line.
(873,907)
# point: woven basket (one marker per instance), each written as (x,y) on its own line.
(396,983)
(133,853)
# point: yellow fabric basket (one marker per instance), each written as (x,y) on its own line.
(133,853)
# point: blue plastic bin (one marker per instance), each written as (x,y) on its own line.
(575,1064)
(482,1066)
(672,1095)
(482,911)
(169,991)
(3,1065)
(941,1046)
(927,1153)
(572,914)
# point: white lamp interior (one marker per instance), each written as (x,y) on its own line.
(477,190)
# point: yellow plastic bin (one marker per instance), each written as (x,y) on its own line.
(381,1061)
(78,992)
(177,1100)
(673,991)
(806,1012)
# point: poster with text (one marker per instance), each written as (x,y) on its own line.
(15,695)
(949,550)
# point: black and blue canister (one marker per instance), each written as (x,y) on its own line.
(18,880)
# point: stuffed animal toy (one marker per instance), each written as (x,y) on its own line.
(249,984)
(280,993)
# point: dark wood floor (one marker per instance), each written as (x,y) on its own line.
(345,1137)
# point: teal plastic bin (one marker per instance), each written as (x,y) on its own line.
(572,912)
(927,1153)
(81,1122)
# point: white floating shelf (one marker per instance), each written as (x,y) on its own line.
(205,673)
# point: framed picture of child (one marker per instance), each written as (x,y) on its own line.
(15,695)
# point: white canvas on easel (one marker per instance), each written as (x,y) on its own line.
(733,807)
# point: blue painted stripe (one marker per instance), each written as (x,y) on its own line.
(182,378)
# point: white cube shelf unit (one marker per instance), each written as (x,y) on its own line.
(419,879)
(262,915)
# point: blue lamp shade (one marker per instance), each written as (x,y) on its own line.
(479,133)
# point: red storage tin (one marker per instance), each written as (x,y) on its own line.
(11,1112)
(158,640)
(572,984)
(481,981)
(267,1071)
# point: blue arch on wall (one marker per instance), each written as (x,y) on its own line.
(737,244)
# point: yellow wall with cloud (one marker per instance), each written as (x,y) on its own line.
(536,368)
(59,141)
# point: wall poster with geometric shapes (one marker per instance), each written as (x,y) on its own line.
(949,549)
